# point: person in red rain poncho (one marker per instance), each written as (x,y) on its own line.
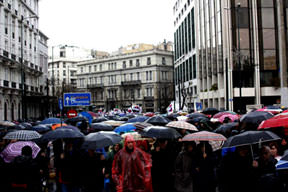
(131,169)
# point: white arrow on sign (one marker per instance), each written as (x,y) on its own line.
(67,100)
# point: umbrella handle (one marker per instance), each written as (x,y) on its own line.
(252,152)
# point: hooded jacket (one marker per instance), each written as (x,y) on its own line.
(131,170)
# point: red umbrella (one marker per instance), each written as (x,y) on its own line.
(274,122)
(149,114)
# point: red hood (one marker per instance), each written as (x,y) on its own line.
(129,138)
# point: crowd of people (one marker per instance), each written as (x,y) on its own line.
(146,165)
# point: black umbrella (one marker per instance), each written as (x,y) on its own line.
(160,132)
(98,120)
(41,128)
(158,120)
(198,119)
(74,120)
(196,115)
(173,116)
(226,129)
(61,133)
(252,120)
(250,138)
(100,127)
(210,111)
(27,126)
(101,139)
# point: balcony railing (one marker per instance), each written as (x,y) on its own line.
(13,85)
(6,83)
(131,83)
(93,86)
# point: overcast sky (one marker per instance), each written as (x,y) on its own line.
(106,24)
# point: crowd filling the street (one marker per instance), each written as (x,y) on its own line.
(206,151)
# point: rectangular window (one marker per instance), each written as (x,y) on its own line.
(138,93)
(64,65)
(150,72)
(124,64)
(131,76)
(124,77)
(147,78)
(163,61)
(64,72)
(137,62)
(148,60)
(90,69)
(95,67)
(100,67)
(138,75)
(130,63)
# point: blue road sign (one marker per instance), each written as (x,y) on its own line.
(60,102)
(77,99)
(198,106)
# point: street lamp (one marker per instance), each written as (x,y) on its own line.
(239,61)
(24,112)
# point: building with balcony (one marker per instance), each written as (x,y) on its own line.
(144,78)
(241,48)
(28,48)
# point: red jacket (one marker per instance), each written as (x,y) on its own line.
(131,171)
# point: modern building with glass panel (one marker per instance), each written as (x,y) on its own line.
(185,55)
(241,52)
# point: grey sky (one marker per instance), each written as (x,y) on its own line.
(106,24)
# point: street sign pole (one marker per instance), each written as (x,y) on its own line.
(61,109)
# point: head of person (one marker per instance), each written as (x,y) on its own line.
(189,146)
(116,147)
(26,151)
(274,149)
(227,120)
(243,151)
(265,153)
(129,143)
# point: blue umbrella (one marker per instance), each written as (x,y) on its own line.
(138,119)
(87,115)
(51,120)
(282,164)
(128,127)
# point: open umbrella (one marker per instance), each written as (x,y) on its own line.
(141,126)
(69,127)
(252,120)
(182,118)
(282,163)
(51,120)
(214,139)
(181,125)
(226,129)
(195,115)
(114,123)
(14,149)
(100,119)
(230,116)
(250,138)
(22,135)
(27,126)
(41,128)
(74,120)
(55,126)
(158,120)
(7,123)
(61,133)
(100,127)
(101,139)
(218,115)
(128,127)
(86,115)
(210,111)
(94,115)
(160,132)
(138,119)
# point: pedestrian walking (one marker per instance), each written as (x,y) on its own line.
(131,170)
